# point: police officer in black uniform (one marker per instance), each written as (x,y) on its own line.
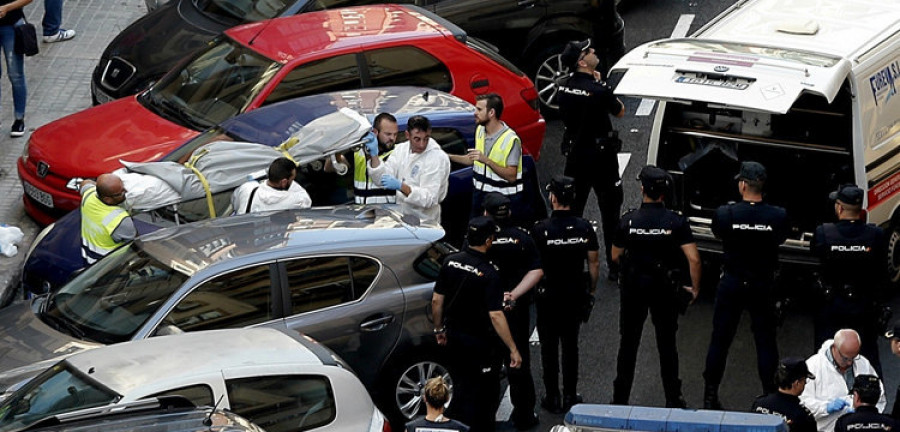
(751,232)
(515,255)
(791,380)
(468,306)
(589,142)
(651,245)
(853,273)
(865,418)
(565,241)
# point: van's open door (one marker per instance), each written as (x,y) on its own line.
(734,75)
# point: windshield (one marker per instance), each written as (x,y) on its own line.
(111,299)
(217,133)
(59,389)
(244,11)
(701,46)
(215,86)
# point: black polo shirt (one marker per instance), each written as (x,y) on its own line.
(751,233)
(471,288)
(788,407)
(564,241)
(515,254)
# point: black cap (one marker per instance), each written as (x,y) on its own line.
(848,194)
(654,179)
(752,171)
(563,187)
(868,386)
(795,368)
(496,204)
(572,52)
(894,331)
(480,229)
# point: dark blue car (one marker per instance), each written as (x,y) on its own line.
(56,253)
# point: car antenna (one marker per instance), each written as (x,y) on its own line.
(269,21)
(208,421)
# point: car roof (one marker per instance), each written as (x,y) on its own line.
(267,125)
(191,247)
(125,366)
(845,28)
(283,39)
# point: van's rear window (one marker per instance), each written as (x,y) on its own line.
(707,46)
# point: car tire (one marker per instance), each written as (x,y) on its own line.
(893,253)
(403,400)
(547,73)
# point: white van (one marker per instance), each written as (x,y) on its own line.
(808,88)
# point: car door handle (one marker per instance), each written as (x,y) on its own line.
(480,83)
(526,3)
(376,322)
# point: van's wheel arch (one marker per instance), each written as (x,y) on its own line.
(403,384)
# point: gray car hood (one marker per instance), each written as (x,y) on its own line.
(28,345)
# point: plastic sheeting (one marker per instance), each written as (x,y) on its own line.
(225,165)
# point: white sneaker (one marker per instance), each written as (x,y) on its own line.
(61,35)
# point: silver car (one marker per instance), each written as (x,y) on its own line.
(281,381)
(357,279)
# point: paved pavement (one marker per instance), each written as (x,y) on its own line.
(58,84)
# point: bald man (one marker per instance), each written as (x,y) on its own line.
(104,224)
(836,366)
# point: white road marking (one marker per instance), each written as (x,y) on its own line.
(623,162)
(505,409)
(680,31)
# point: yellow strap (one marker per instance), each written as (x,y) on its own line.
(209,200)
(285,146)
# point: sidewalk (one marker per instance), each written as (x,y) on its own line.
(58,84)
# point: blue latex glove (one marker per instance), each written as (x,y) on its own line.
(370,141)
(391,182)
(835,405)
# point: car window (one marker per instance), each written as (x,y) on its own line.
(214,87)
(492,54)
(452,142)
(320,76)
(408,66)
(317,283)
(237,299)
(283,403)
(113,298)
(57,390)
(429,263)
(200,394)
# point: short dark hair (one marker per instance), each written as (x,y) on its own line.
(755,186)
(493,101)
(281,169)
(654,193)
(784,379)
(382,117)
(418,122)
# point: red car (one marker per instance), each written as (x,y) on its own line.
(266,62)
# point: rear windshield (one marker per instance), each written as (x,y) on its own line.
(492,54)
(706,46)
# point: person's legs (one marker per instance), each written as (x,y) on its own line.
(632,314)
(52,17)
(569,342)
(521,384)
(548,332)
(665,323)
(763,324)
(580,171)
(609,198)
(15,69)
(726,316)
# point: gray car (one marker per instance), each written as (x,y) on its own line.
(357,279)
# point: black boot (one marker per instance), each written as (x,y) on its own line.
(711,398)
(676,402)
(552,404)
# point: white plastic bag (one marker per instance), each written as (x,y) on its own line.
(9,236)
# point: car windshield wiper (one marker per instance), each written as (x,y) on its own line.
(64,325)
(179,112)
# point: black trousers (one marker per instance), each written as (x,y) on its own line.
(600,172)
(638,298)
(732,296)
(521,384)
(558,326)
(475,370)
(838,313)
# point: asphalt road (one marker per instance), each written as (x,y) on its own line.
(647,20)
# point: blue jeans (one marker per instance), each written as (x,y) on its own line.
(15,68)
(52,17)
